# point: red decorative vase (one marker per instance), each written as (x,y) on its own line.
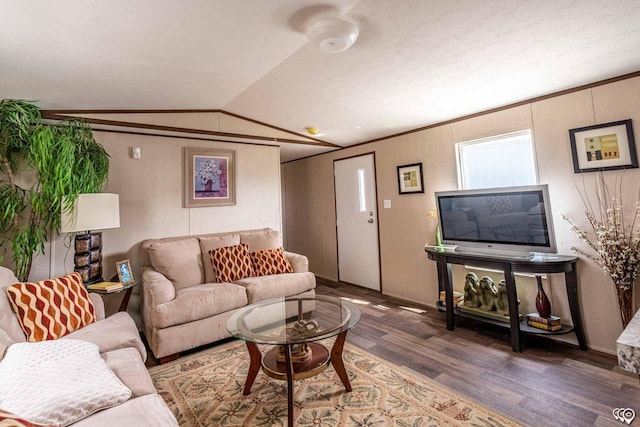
(543,305)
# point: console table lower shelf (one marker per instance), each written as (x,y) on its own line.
(541,264)
(523,323)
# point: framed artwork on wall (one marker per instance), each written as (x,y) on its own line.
(607,146)
(410,179)
(209,177)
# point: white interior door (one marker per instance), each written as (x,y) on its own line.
(357,221)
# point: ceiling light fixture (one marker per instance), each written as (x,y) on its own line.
(333,35)
(312,130)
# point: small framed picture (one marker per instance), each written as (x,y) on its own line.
(410,179)
(607,146)
(124,272)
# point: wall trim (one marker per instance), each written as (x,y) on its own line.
(195,138)
(178,111)
(50,115)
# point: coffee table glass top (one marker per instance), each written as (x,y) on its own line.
(293,320)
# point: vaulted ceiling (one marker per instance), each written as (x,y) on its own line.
(415,63)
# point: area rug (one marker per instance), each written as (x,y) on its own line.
(205,389)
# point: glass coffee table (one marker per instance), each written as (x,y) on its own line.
(294,325)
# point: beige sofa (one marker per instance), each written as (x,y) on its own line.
(120,346)
(183,305)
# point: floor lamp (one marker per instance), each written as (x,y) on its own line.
(98,211)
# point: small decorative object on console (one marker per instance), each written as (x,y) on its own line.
(543,305)
(458,297)
(550,323)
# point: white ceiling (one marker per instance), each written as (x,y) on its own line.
(416,62)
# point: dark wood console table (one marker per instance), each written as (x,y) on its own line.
(539,264)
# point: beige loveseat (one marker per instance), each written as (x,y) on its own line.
(183,304)
(119,345)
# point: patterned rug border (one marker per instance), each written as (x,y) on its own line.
(405,371)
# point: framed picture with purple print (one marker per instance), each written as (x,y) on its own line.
(209,177)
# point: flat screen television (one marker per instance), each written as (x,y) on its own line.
(513,221)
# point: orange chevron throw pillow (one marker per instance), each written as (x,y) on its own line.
(270,261)
(52,308)
(231,263)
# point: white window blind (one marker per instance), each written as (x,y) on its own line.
(499,161)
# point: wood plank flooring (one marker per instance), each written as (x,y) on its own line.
(548,384)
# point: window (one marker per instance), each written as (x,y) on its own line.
(497,161)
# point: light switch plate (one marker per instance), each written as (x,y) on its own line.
(387,204)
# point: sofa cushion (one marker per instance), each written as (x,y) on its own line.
(144,411)
(277,285)
(261,239)
(198,302)
(270,261)
(179,261)
(232,263)
(115,332)
(210,243)
(57,382)
(128,366)
(52,308)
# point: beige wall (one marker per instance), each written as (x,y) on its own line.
(150,192)
(406,272)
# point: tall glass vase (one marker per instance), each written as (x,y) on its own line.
(543,305)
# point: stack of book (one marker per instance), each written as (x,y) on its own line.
(551,323)
(106,286)
(458,297)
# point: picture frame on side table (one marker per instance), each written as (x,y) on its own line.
(607,146)
(124,272)
(410,179)
(209,177)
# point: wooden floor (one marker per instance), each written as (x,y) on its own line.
(548,384)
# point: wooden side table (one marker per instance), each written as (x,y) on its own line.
(125,299)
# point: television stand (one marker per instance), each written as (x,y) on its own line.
(510,265)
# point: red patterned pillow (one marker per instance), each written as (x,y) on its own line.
(270,261)
(231,263)
(10,420)
(52,308)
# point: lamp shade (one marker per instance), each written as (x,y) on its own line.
(333,35)
(96,211)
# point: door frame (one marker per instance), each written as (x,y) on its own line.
(377,217)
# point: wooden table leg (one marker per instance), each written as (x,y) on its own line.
(514,315)
(125,300)
(336,360)
(289,362)
(571,282)
(254,366)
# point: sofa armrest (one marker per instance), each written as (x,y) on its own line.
(98,304)
(156,287)
(300,263)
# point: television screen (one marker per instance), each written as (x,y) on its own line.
(514,218)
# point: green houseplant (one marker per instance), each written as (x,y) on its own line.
(40,164)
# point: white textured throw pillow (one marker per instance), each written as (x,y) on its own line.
(57,382)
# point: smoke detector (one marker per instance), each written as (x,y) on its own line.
(333,35)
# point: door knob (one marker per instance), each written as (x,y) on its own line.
(370,221)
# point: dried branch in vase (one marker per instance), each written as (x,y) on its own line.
(614,240)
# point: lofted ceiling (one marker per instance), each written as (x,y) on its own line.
(415,63)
